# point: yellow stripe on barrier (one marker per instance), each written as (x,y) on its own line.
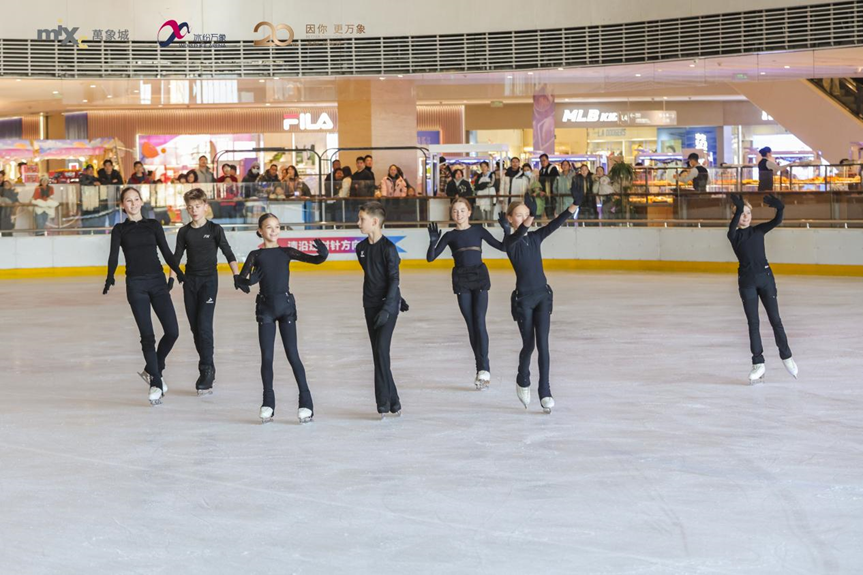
(495,264)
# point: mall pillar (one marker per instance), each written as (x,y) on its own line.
(379,113)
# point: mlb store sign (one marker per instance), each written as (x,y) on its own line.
(324,121)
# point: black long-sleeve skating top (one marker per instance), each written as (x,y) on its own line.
(271,268)
(525,253)
(380,263)
(139,241)
(202,245)
(466,245)
(748,243)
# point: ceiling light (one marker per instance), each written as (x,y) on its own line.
(85,101)
(55,92)
(692,65)
(638,75)
(18,80)
(509,76)
(762,73)
(261,80)
(136,91)
(276,78)
(530,73)
(110,96)
(92,85)
(665,97)
(381,78)
(660,70)
(786,67)
(401,76)
(267,104)
(561,69)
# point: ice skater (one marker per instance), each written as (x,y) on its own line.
(470,279)
(381,300)
(270,267)
(755,280)
(532,299)
(202,239)
(146,286)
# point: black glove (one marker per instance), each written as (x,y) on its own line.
(434,234)
(382,318)
(108,283)
(501,219)
(403,305)
(241,284)
(773,202)
(170,284)
(577,195)
(737,200)
(530,202)
(181,277)
(321,247)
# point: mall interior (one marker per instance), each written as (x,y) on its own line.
(660,121)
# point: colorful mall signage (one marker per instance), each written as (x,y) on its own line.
(626,118)
(303,122)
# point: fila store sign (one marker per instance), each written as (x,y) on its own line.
(305,122)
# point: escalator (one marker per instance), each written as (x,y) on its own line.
(848,92)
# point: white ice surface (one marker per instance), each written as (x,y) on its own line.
(657,458)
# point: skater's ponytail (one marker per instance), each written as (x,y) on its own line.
(263,219)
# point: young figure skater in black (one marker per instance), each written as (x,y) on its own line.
(270,266)
(381,300)
(532,299)
(470,280)
(755,280)
(202,239)
(146,286)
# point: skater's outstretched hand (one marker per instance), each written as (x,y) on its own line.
(380,319)
(530,202)
(240,284)
(108,283)
(321,247)
(170,284)
(434,233)
(501,219)
(181,277)
(403,305)
(737,200)
(773,201)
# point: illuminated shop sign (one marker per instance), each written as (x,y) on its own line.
(303,122)
(627,118)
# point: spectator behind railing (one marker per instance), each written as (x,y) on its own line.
(44,203)
(231,191)
(250,179)
(8,211)
(394,184)
(548,174)
(563,186)
(696,174)
(278,192)
(484,186)
(203,173)
(108,175)
(191,177)
(582,183)
(271,175)
(605,193)
(294,185)
(459,186)
(535,189)
(362,181)
(86,177)
(369,162)
(345,191)
(139,176)
(333,184)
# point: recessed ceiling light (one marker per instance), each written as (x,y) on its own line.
(638,75)
(85,101)
(786,67)
(267,104)
(762,73)
(160,105)
(509,76)
(92,85)
(55,92)
(136,91)
(276,78)
(692,65)
(261,80)
(381,78)
(18,80)
(530,73)
(110,96)
(560,69)
(665,97)
(660,70)
(401,75)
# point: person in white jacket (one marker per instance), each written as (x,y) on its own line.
(44,203)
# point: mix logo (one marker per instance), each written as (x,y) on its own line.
(303,122)
(176,32)
(62,34)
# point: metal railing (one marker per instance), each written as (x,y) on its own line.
(98,209)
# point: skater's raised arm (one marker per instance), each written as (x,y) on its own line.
(554,224)
(113,257)
(491,240)
(316,259)
(162,242)
(777,204)
(437,244)
(504,223)
(737,200)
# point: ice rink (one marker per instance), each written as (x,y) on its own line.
(657,459)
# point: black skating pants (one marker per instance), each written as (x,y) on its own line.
(272,310)
(199,295)
(532,311)
(473,305)
(386,395)
(142,293)
(763,286)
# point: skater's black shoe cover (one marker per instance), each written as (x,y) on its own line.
(205,381)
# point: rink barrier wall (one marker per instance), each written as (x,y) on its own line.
(837,252)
